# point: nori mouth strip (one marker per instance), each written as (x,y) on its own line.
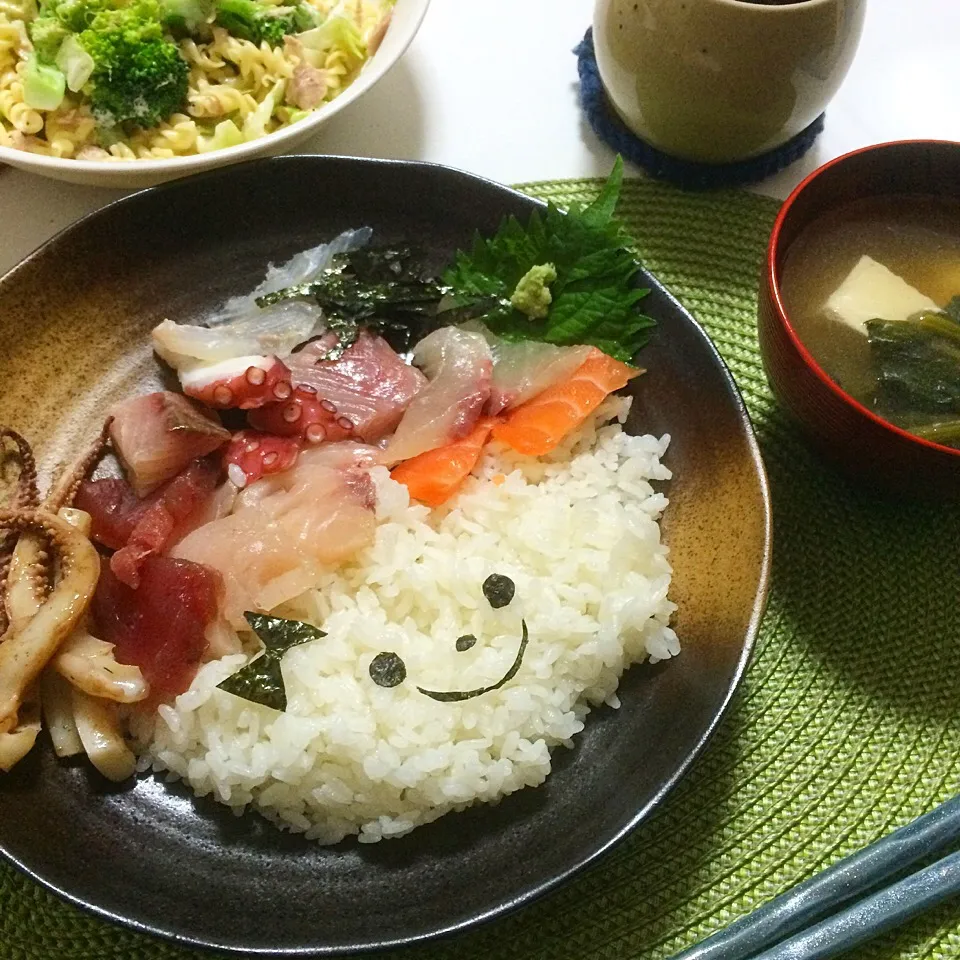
(455,696)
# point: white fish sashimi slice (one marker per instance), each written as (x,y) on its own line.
(460,367)
(286,529)
(240,327)
(522,370)
(275,331)
(302,267)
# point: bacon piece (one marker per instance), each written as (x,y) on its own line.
(138,528)
(161,626)
(369,385)
(251,455)
(157,434)
(244,383)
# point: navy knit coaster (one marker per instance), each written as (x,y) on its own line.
(689,174)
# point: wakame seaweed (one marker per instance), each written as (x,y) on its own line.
(261,680)
(917,363)
(455,696)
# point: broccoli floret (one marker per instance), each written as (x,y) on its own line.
(257,22)
(47,33)
(187,17)
(138,76)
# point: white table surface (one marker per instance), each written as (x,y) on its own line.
(490,86)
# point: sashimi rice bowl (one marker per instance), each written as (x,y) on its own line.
(382,552)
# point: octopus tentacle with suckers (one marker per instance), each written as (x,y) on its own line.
(50,570)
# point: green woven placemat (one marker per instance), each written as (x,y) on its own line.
(846,725)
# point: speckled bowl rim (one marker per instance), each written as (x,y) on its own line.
(580,864)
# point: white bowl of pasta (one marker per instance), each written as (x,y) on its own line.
(207,83)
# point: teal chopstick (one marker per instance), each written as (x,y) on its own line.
(818,897)
(873,915)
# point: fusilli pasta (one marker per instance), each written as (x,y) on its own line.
(230,79)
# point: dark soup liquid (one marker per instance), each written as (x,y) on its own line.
(870,291)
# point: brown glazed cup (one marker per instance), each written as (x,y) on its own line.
(846,432)
(722,80)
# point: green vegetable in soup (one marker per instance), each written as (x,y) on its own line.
(261,680)
(592,299)
(917,363)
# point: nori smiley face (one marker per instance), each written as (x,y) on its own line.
(387,669)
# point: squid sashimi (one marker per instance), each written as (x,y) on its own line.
(435,476)
(523,369)
(541,423)
(273,331)
(459,366)
(285,529)
(160,627)
(156,435)
(369,385)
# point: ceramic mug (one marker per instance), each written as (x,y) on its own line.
(723,80)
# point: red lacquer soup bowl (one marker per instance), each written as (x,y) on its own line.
(847,433)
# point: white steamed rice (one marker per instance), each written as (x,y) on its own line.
(578,534)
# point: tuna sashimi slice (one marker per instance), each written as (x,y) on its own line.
(459,366)
(287,528)
(541,423)
(138,528)
(156,435)
(161,626)
(369,385)
(523,369)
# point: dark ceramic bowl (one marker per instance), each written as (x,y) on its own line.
(75,319)
(846,432)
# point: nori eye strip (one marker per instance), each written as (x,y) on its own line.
(465,642)
(454,696)
(387,670)
(261,680)
(499,590)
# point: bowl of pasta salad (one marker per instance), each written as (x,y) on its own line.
(130,93)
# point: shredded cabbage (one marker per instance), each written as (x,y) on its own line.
(76,64)
(225,134)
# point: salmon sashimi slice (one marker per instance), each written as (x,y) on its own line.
(435,476)
(541,423)
(370,384)
(459,366)
(286,529)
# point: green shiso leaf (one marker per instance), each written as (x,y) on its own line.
(594,298)
(261,680)
(455,696)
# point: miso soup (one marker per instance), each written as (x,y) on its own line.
(870,291)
